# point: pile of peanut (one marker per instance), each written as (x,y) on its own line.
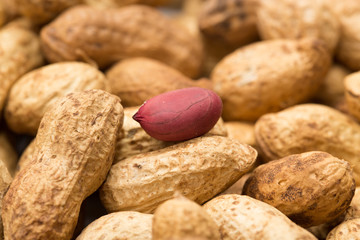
(282,162)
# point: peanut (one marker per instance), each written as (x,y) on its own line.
(232,21)
(180,114)
(119,226)
(107,36)
(311,188)
(43,11)
(354,210)
(38,90)
(181,218)
(310,127)
(352,94)
(8,154)
(242,217)
(135,80)
(73,153)
(20,53)
(5,180)
(199,169)
(298,19)
(347,230)
(251,86)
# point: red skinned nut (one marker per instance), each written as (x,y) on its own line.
(181,114)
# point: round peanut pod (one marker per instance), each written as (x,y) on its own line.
(310,127)
(199,169)
(181,218)
(121,3)
(106,36)
(352,94)
(8,154)
(20,52)
(251,86)
(243,217)
(231,21)
(37,91)
(119,225)
(347,230)
(311,188)
(135,80)
(43,11)
(5,180)
(180,114)
(348,14)
(298,19)
(73,154)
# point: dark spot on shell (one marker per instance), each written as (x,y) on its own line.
(291,194)
(53,156)
(132,132)
(137,166)
(75,113)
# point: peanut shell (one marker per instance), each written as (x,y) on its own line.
(26,156)
(348,230)
(241,217)
(119,226)
(19,53)
(251,86)
(136,80)
(352,94)
(348,14)
(5,180)
(354,210)
(8,154)
(311,188)
(73,153)
(298,19)
(242,131)
(199,169)
(310,127)
(37,91)
(181,218)
(121,3)
(231,21)
(43,11)
(107,36)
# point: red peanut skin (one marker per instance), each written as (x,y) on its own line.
(181,114)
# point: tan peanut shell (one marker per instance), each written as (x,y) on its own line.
(347,230)
(19,53)
(240,217)
(298,19)
(43,11)
(8,154)
(348,14)
(180,218)
(26,156)
(242,131)
(134,140)
(8,11)
(311,188)
(119,226)
(74,151)
(136,80)
(354,210)
(352,94)
(332,90)
(5,180)
(38,90)
(121,3)
(107,36)
(231,21)
(251,86)
(310,127)
(199,169)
